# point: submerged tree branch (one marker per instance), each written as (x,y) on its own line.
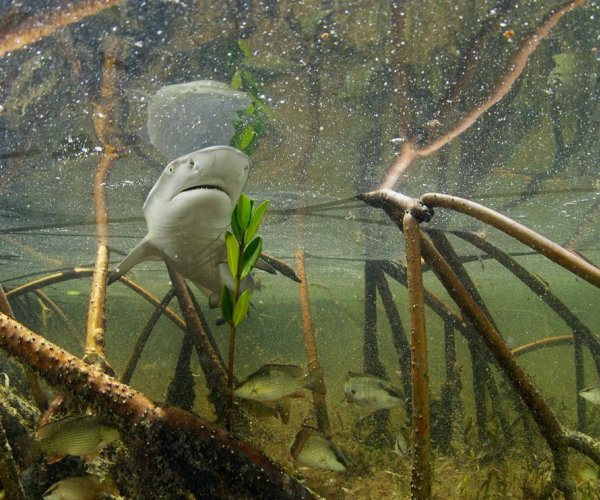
(195,453)
(55,308)
(420,481)
(545,342)
(141,341)
(553,251)
(541,412)
(9,472)
(319,401)
(216,377)
(35,387)
(46,23)
(102,119)
(411,150)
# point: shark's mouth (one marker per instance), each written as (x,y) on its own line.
(205,186)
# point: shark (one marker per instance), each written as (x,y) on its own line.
(187,212)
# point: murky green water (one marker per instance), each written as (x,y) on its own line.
(343,89)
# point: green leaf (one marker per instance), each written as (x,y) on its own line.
(236,80)
(250,256)
(235,226)
(262,110)
(241,308)
(257,215)
(246,135)
(250,84)
(246,138)
(227,305)
(244,212)
(245,47)
(233,253)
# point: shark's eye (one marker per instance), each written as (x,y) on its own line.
(191,163)
(170,170)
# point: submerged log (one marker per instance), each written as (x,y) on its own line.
(190,452)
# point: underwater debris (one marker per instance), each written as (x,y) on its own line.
(311,448)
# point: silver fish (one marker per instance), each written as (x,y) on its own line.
(187,213)
(273,381)
(81,435)
(371,392)
(592,394)
(311,449)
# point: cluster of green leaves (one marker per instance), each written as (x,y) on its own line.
(243,251)
(250,123)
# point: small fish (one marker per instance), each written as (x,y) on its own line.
(592,394)
(272,382)
(81,435)
(401,444)
(311,449)
(78,488)
(371,392)
(263,409)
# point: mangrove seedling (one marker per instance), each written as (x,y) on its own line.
(250,123)
(243,251)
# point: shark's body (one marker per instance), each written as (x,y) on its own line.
(187,213)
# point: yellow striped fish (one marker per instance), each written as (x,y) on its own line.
(311,449)
(82,435)
(79,488)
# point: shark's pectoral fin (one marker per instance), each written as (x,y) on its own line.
(264,266)
(275,264)
(144,250)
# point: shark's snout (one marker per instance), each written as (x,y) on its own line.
(197,166)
